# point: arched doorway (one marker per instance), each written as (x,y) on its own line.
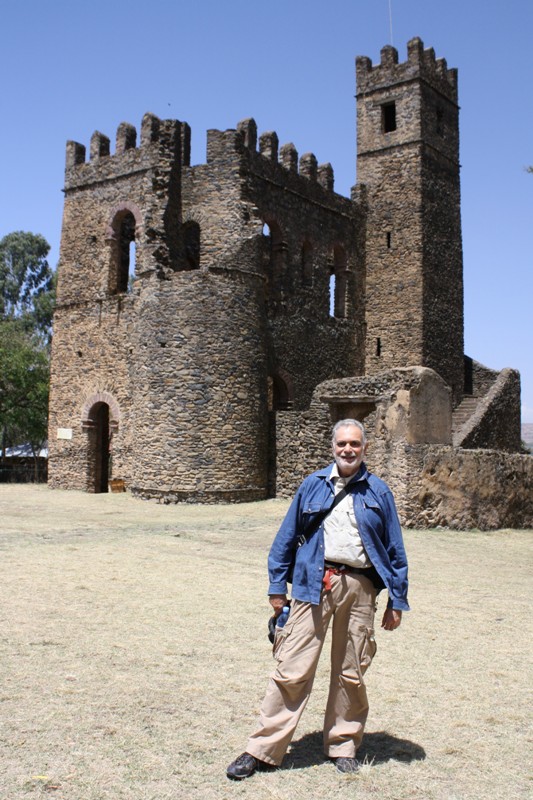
(100,418)
(102,449)
(98,455)
(280,394)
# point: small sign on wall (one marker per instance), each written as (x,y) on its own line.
(64,433)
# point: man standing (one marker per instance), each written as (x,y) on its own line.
(342,537)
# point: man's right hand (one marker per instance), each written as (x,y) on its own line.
(277,601)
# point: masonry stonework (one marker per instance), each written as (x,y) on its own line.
(408,156)
(213,320)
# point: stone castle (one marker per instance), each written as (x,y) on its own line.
(213,321)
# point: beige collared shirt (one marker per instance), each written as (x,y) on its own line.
(341,535)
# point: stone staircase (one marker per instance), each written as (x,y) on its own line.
(463,412)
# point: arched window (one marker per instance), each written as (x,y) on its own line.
(332,287)
(280,392)
(274,256)
(122,271)
(338,284)
(131,264)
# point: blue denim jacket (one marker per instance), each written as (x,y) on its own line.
(379,528)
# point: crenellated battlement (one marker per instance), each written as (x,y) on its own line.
(421,64)
(171,138)
(286,155)
(162,136)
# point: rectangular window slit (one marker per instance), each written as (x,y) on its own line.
(388,117)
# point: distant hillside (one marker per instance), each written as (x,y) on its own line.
(527,434)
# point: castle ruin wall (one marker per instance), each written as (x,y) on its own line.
(496,421)
(434,483)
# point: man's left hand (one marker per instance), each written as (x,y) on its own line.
(392,619)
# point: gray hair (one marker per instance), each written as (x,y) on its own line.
(343,423)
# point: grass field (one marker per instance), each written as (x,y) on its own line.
(134,658)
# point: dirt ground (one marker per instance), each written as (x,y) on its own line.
(134,657)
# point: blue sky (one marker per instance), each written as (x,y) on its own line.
(69,68)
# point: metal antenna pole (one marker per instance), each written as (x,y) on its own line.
(390,21)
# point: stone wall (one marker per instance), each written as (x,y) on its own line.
(483,489)
(200,389)
(483,378)
(496,421)
(313,233)
(91,355)
(434,484)
(95,319)
(409,405)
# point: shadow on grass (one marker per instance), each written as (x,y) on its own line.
(375,748)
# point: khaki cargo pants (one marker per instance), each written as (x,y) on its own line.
(351,603)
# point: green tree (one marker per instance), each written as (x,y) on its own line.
(24,377)
(26,280)
(27,292)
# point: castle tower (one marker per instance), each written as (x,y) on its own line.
(159,373)
(408,158)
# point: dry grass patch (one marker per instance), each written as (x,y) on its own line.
(134,658)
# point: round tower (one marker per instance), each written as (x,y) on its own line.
(199,366)
(159,371)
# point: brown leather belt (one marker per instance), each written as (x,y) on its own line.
(332,565)
(332,568)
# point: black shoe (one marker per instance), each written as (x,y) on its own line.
(243,766)
(348,765)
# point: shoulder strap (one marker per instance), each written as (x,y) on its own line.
(315,523)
